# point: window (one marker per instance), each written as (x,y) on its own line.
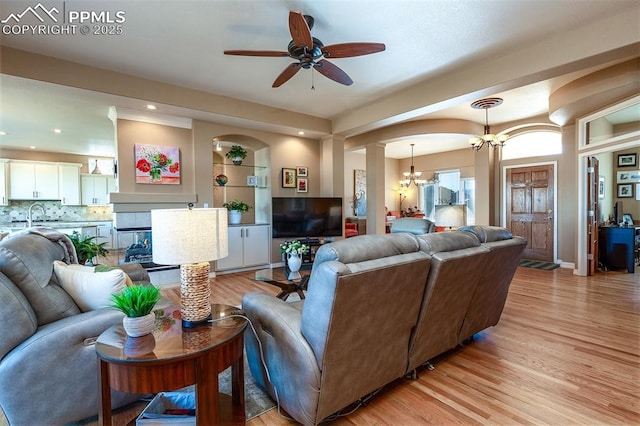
(532,144)
(449,189)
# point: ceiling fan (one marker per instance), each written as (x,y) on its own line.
(311,53)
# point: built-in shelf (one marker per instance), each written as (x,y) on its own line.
(252,166)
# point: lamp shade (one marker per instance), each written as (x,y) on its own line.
(181,236)
(451,215)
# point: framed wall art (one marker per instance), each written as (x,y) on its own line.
(629,176)
(625,190)
(601,187)
(302,171)
(302,185)
(627,160)
(155,164)
(288,178)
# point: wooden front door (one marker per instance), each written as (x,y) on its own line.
(530,202)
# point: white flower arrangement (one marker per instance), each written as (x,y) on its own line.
(294,247)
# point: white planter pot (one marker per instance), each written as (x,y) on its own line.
(294,262)
(139,326)
(235,217)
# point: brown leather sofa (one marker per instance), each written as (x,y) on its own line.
(377,307)
(48,363)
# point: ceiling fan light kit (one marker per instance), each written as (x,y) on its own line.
(488,138)
(311,53)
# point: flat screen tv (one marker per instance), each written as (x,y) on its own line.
(306,217)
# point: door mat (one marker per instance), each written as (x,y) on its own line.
(538,264)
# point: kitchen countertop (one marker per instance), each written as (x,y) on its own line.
(18,226)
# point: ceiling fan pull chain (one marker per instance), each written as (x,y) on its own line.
(313,85)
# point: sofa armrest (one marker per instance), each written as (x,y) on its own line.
(59,356)
(290,361)
(136,272)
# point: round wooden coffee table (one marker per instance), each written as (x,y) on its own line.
(172,358)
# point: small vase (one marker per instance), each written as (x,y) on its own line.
(139,326)
(155,175)
(294,262)
(222,179)
(235,217)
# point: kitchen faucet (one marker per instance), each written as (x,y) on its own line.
(30,213)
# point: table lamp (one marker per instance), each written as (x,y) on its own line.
(190,238)
(451,215)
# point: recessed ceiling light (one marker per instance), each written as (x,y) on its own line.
(57,131)
(152,107)
(32,147)
(3,133)
(301,133)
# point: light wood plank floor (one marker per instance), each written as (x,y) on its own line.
(566,352)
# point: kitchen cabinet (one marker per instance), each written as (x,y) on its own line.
(248,246)
(4,198)
(69,183)
(105,234)
(33,181)
(96,189)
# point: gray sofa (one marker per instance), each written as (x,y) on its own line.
(377,308)
(413,225)
(48,364)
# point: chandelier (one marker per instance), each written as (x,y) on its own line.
(477,142)
(412,176)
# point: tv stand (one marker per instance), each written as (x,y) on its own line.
(314,244)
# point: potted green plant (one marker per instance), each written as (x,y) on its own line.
(236,154)
(87,249)
(137,302)
(236,208)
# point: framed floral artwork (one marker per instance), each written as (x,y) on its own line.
(288,178)
(302,184)
(156,164)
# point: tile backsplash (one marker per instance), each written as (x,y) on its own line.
(16,211)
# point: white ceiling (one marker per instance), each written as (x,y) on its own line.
(182,43)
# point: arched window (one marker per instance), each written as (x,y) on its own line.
(532,144)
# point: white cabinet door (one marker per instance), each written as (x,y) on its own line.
(33,181)
(256,245)
(248,246)
(105,235)
(235,258)
(4,196)
(69,184)
(96,189)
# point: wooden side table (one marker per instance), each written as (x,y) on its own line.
(172,358)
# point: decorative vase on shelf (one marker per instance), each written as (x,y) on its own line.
(294,262)
(222,179)
(139,326)
(235,217)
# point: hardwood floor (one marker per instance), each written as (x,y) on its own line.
(566,351)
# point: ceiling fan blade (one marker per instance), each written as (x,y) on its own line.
(285,75)
(348,50)
(257,53)
(299,30)
(331,71)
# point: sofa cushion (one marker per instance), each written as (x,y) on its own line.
(487,234)
(89,289)
(27,260)
(366,247)
(19,321)
(413,225)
